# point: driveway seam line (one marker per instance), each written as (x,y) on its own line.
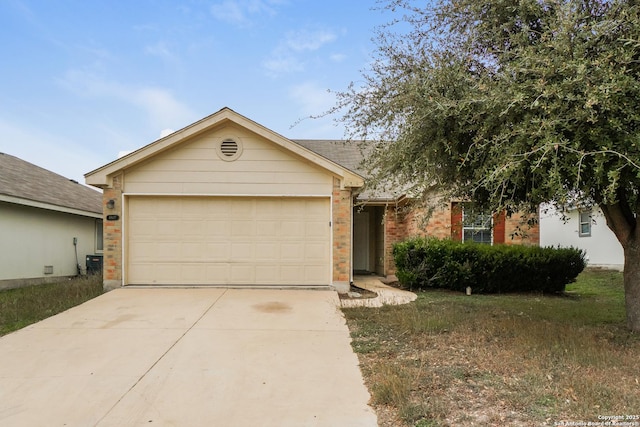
(153,365)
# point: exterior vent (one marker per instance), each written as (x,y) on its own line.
(229,147)
(48,269)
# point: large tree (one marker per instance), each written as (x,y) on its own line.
(510,103)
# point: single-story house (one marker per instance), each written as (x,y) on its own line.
(583,228)
(226,201)
(48,224)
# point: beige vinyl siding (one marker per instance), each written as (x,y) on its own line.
(228,241)
(195,168)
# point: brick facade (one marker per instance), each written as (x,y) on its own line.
(402,222)
(341,224)
(520,230)
(112,269)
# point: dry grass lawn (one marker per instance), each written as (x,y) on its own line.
(24,306)
(502,360)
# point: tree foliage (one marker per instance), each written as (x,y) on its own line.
(510,103)
(507,101)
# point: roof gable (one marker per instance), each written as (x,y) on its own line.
(101,177)
(25,183)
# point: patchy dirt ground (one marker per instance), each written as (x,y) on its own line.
(524,360)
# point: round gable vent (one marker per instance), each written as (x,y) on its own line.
(229,149)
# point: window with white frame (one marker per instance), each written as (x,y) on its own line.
(99,236)
(584,229)
(476,225)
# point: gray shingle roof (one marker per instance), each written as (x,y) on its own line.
(348,154)
(27,181)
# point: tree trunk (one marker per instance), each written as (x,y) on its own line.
(632,285)
(622,221)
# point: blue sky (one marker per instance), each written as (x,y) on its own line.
(82,80)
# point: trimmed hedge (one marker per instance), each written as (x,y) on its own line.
(431,263)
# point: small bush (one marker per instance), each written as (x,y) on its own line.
(431,263)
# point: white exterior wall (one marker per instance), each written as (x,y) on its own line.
(602,247)
(32,238)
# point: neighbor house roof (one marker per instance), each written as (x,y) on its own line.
(102,176)
(27,184)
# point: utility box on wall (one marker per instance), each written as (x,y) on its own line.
(94,264)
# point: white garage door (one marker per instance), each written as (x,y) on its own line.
(228,241)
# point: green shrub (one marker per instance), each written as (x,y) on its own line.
(426,262)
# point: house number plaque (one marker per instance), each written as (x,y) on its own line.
(113,217)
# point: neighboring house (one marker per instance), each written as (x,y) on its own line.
(45,219)
(226,201)
(584,229)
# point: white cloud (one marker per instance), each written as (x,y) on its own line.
(312,98)
(160,106)
(338,57)
(304,40)
(312,101)
(162,51)
(282,65)
(242,12)
(288,56)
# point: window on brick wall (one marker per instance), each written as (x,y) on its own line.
(476,225)
(469,224)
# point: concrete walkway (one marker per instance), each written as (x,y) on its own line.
(387,295)
(186,357)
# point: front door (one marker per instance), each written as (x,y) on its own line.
(361,242)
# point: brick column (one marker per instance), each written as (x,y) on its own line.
(112,268)
(393,233)
(341,223)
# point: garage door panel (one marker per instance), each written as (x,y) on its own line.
(268,273)
(242,252)
(243,208)
(193,250)
(311,271)
(267,252)
(144,227)
(314,251)
(165,251)
(242,274)
(217,227)
(224,240)
(293,229)
(292,251)
(243,228)
(315,229)
(167,227)
(193,228)
(219,271)
(270,229)
(218,251)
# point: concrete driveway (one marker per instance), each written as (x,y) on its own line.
(186,357)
